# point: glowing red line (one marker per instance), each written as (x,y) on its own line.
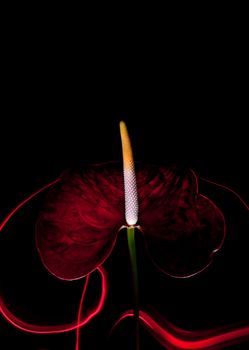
(168,339)
(221,214)
(228,189)
(43,329)
(77,346)
(171,341)
(19,206)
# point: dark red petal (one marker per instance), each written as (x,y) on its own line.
(78,225)
(182,228)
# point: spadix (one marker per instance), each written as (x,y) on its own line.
(130,185)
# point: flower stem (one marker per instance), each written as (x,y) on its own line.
(133,259)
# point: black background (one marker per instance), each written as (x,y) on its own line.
(61,104)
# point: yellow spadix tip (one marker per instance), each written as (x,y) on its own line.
(126,146)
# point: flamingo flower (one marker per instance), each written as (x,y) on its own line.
(81,217)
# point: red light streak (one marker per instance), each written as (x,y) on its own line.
(174,338)
(228,189)
(19,206)
(43,329)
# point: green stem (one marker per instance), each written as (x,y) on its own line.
(133,259)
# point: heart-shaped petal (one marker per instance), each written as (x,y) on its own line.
(79,222)
(182,228)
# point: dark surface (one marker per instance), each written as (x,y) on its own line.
(54,118)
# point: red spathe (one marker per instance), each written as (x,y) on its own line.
(79,223)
